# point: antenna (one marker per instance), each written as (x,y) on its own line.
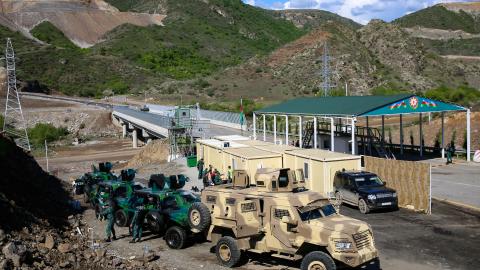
(13,108)
(326,72)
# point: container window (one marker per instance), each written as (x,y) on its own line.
(306,170)
(279,213)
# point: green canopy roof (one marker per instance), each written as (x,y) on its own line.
(360,106)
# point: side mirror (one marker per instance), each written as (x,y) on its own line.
(288,220)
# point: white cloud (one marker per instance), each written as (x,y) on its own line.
(250,2)
(361,11)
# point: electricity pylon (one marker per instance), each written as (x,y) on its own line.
(326,72)
(14,123)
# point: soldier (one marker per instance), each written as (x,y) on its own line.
(229,174)
(138,218)
(200,168)
(108,212)
(137,221)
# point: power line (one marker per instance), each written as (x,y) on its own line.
(14,123)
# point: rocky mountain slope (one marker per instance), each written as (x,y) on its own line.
(84,22)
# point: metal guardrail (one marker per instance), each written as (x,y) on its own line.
(155,119)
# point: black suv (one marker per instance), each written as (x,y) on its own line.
(365,190)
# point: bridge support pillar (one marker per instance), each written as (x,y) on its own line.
(124,130)
(135,138)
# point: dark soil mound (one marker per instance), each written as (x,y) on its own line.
(28,194)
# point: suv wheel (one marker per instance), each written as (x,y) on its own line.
(228,253)
(175,237)
(318,260)
(338,198)
(199,217)
(121,218)
(363,206)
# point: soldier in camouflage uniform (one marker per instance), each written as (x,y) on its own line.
(141,210)
(107,206)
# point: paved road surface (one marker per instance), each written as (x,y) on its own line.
(458,183)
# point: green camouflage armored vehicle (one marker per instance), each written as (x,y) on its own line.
(86,184)
(169,208)
(280,217)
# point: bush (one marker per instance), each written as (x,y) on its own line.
(48,132)
(463,95)
(1,122)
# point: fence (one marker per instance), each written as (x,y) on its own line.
(411,180)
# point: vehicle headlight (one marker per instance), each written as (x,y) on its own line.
(394,194)
(343,245)
(372,197)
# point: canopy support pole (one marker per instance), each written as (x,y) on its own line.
(443,135)
(353,136)
(286,129)
(264,129)
(315,132)
(300,130)
(401,134)
(468,136)
(369,138)
(332,135)
(275,129)
(254,126)
(421,135)
(383,130)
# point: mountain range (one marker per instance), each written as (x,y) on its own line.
(216,51)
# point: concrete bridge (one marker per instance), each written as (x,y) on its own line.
(147,125)
(156,123)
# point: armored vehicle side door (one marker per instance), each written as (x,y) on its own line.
(283,225)
(248,218)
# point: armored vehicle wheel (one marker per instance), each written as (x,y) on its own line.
(175,237)
(228,253)
(156,222)
(199,217)
(363,207)
(318,260)
(121,218)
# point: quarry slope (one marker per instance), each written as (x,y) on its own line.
(83,22)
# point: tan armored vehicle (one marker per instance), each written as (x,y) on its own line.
(280,217)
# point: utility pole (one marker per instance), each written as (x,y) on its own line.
(46,154)
(13,108)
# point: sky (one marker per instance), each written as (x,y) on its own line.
(361,11)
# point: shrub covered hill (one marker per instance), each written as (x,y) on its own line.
(217,51)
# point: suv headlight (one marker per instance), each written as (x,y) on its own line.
(372,197)
(394,194)
(342,245)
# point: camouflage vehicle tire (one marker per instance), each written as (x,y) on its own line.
(227,251)
(317,260)
(176,237)
(156,222)
(121,218)
(199,217)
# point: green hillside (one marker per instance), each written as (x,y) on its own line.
(198,39)
(311,18)
(439,17)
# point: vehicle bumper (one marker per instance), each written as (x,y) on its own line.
(356,259)
(383,203)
